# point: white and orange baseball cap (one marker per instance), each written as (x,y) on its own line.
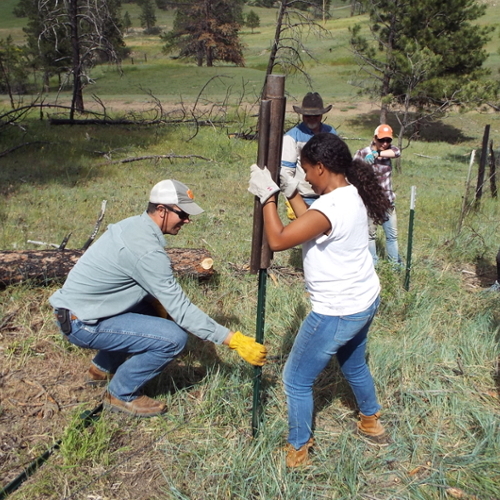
(170,192)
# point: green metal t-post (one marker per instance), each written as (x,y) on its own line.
(271,121)
(410,237)
(259,337)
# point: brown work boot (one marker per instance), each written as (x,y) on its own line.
(139,407)
(96,377)
(296,458)
(371,428)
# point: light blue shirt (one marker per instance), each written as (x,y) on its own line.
(293,142)
(125,265)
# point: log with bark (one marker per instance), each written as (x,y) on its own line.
(42,267)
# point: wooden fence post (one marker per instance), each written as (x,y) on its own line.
(482,165)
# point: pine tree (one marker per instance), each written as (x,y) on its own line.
(148,17)
(207,30)
(426,54)
(252,20)
(127,22)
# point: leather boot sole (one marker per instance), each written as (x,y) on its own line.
(96,383)
(381,440)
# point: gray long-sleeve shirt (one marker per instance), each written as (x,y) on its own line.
(125,265)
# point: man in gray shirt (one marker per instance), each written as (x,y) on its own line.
(105,303)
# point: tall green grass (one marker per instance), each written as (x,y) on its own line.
(433,350)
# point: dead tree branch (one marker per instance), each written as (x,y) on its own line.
(23,145)
(159,157)
(96,227)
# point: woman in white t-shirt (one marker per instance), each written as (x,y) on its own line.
(340,278)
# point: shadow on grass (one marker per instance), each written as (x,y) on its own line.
(465,158)
(486,272)
(67,154)
(435,131)
(188,370)
(330,385)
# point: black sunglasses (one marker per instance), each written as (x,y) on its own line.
(180,213)
(386,139)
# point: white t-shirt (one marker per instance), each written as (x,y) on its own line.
(338,267)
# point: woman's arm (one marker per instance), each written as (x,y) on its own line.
(387,153)
(307,226)
(298,204)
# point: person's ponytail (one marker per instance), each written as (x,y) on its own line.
(361,175)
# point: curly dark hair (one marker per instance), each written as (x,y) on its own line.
(334,154)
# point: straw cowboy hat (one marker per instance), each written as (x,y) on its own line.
(312,104)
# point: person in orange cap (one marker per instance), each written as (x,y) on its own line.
(379,154)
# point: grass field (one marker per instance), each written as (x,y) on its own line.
(433,350)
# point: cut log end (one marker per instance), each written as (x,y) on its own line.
(207,263)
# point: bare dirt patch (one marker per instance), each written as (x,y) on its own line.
(41,386)
(477,278)
(43,392)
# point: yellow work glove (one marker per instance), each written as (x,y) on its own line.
(250,350)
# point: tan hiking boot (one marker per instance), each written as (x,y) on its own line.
(296,458)
(97,378)
(371,428)
(139,407)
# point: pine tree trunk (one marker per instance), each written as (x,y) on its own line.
(77,101)
(276,41)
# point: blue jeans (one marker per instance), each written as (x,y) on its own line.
(390,227)
(319,338)
(135,347)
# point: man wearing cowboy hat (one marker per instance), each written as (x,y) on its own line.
(312,111)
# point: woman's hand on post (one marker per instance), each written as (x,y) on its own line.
(288,185)
(261,183)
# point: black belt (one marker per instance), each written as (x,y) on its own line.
(64,318)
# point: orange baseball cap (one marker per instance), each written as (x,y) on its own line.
(383,131)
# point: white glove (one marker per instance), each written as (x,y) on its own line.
(261,183)
(288,184)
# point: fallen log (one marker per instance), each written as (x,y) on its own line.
(43,267)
